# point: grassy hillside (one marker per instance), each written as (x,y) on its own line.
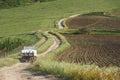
(13,44)
(5,4)
(45,15)
(13,3)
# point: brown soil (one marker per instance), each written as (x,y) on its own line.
(102,50)
(94,22)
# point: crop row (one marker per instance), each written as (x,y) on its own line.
(94,23)
(93,49)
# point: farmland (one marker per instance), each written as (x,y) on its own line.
(71,55)
(94,22)
(102,50)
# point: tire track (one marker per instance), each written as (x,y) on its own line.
(20,71)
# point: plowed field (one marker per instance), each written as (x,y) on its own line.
(94,22)
(102,50)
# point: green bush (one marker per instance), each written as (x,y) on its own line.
(26,1)
(3,4)
(13,3)
(44,0)
(10,43)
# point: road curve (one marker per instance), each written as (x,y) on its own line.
(20,71)
(60,23)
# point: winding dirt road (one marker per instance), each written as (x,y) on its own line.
(20,71)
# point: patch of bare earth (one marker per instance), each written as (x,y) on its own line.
(95,22)
(102,50)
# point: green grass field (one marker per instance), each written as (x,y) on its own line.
(44,15)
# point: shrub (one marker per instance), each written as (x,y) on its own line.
(13,3)
(43,0)
(10,43)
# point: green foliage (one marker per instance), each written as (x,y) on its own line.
(7,62)
(15,56)
(26,1)
(44,0)
(52,55)
(109,32)
(44,15)
(67,31)
(41,41)
(72,71)
(13,3)
(10,43)
(29,39)
(63,47)
(117,10)
(46,44)
(84,30)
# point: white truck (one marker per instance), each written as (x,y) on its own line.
(28,54)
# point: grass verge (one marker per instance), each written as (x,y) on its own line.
(41,41)
(7,62)
(109,32)
(65,31)
(46,44)
(72,71)
(10,60)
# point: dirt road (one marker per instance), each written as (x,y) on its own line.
(20,71)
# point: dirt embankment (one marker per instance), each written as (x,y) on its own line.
(20,71)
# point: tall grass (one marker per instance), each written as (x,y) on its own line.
(64,45)
(109,32)
(76,71)
(10,60)
(72,71)
(42,38)
(14,58)
(12,42)
(47,44)
(115,11)
(7,62)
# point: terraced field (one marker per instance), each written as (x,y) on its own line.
(102,50)
(94,22)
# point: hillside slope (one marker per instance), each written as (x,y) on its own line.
(45,15)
